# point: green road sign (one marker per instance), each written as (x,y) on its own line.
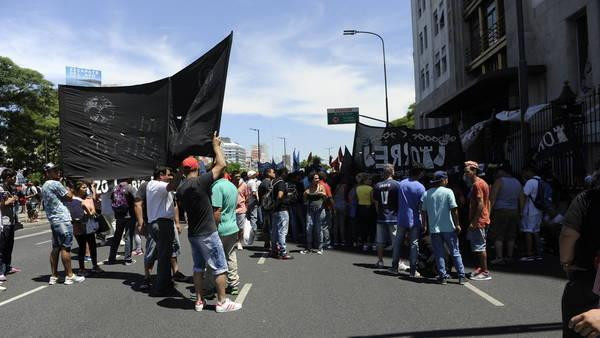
(342,115)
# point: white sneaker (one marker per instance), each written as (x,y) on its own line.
(74,279)
(320,252)
(53,280)
(402,266)
(239,246)
(2,288)
(199,305)
(228,306)
(379,265)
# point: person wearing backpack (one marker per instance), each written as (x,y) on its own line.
(531,215)
(122,205)
(266,204)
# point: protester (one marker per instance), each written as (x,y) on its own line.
(531,216)
(266,205)
(340,213)
(84,225)
(326,228)
(315,197)
(409,220)
(295,208)
(2,241)
(365,214)
(281,218)
(54,196)
(107,211)
(580,258)
(9,210)
(440,216)
(385,198)
(33,199)
(123,199)
(479,219)
(505,204)
(252,200)
(241,207)
(207,249)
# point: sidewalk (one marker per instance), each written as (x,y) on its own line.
(41,221)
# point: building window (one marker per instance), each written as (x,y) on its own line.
(444,62)
(427,76)
(436,26)
(442,20)
(492,23)
(421,42)
(436,66)
(425,36)
(422,82)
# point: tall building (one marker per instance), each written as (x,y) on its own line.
(264,153)
(466,58)
(234,153)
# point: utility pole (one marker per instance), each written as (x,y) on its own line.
(523,82)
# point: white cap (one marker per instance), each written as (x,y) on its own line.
(251,173)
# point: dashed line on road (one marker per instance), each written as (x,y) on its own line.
(262,259)
(484,295)
(10,300)
(35,234)
(44,242)
(243,293)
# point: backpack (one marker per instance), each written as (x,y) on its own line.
(268,200)
(292,193)
(120,204)
(543,199)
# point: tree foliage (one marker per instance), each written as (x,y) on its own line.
(407,120)
(233,167)
(28,117)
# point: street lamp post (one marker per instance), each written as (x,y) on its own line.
(258,159)
(354,32)
(284,150)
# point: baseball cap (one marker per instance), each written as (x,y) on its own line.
(251,173)
(471,164)
(49,166)
(438,176)
(190,163)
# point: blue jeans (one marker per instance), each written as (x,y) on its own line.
(279,230)
(315,218)
(325,228)
(451,240)
(413,234)
(252,215)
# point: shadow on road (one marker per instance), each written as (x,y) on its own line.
(482,331)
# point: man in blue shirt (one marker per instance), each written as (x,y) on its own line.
(409,219)
(440,213)
(385,196)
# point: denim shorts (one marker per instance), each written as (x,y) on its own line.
(386,232)
(62,235)
(208,250)
(477,237)
(151,252)
(531,223)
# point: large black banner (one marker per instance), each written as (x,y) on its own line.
(554,141)
(436,148)
(118,132)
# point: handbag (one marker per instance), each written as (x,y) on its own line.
(102,224)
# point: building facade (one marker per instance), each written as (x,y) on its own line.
(234,153)
(466,60)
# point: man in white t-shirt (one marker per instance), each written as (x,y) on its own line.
(252,200)
(531,217)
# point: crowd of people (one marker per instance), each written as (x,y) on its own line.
(427,217)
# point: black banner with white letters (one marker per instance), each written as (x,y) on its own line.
(554,141)
(435,148)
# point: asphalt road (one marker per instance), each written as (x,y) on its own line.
(338,294)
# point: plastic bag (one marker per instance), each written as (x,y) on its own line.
(91,226)
(248,233)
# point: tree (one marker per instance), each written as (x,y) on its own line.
(407,120)
(233,167)
(28,117)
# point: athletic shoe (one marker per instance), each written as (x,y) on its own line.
(393,271)
(379,265)
(2,288)
(228,306)
(476,272)
(129,262)
(199,305)
(13,270)
(329,247)
(539,258)
(442,281)
(461,280)
(498,261)
(304,252)
(2,278)
(402,266)
(74,279)
(233,290)
(484,275)
(374,247)
(416,274)
(239,246)
(320,252)
(179,277)
(285,258)
(87,259)
(365,248)
(527,259)
(53,280)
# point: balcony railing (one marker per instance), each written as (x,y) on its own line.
(489,39)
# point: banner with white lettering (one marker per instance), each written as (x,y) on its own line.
(435,148)
(554,141)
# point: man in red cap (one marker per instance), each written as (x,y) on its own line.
(194,196)
(479,218)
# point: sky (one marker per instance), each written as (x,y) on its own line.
(289,60)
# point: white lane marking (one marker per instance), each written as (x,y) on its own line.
(23,295)
(243,293)
(44,242)
(35,234)
(262,259)
(483,295)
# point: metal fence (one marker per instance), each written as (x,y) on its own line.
(569,167)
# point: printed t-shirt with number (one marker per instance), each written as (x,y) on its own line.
(193,195)
(53,195)
(479,190)
(386,195)
(224,196)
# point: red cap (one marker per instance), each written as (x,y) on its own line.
(190,163)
